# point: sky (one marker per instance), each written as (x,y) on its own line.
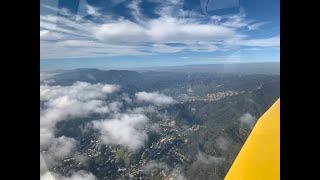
(122,34)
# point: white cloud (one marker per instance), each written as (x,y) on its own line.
(155,98)
(247,119)
(123,129)
(110,88)
(165,29)
(152,165)
(81,91)
(207,159)
(77,100)
(58,149)
(61,147)
(79,175)
(47,176)
(126,98)
(256,26)
(91,10)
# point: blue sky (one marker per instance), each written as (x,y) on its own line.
(140,33)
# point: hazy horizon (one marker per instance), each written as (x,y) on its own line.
(69,64)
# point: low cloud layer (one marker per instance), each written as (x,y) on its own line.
(81,99)
(208,159)
(59,103)
(79,91)
(79,175)
(155,98)
(123,129)
(176,173)
(247,119)
(155,165)
(61,147)
(120,124)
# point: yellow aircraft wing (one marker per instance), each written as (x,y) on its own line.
(259,158)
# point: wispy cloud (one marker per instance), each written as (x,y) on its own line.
(208,159)
(78,36)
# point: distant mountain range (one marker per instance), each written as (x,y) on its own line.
(268,68)
(242,68)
